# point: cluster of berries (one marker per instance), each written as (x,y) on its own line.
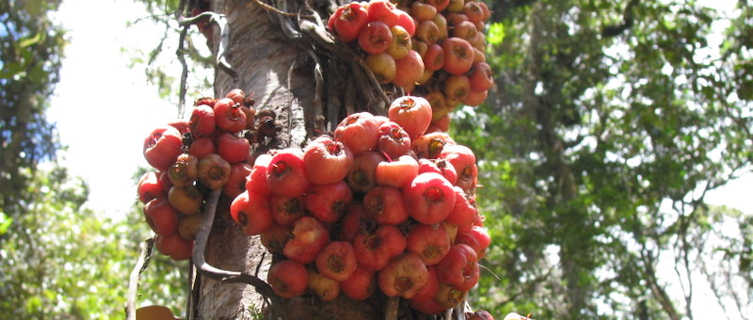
(430,48)
(192,158)
(383,203)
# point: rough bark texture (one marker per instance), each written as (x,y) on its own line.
(264,58)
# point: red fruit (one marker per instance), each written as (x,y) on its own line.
(257,179)
(201,147)
(174,246)
(383,66)
(353,222)
(149,187)
(429,198)
(455,5)
(360,285)
(441,23)
(228,116)
(205,100)
(431,144)
(251,211)
(439,4)
(423,11)
(475,98)
(459,55)
(324,288)
(161,217)
(184,171)
(232,148)
(358,132)
(393,140)
(465,30)
(236,183)
(459,268)
(464,213)
(286,210)
(288,278)
(285,174)
(439,107)
(406,21)
(464,161)
(335,15)
(383,11)
(409,70)
(363,175)
(448,296)
(440,166)
(374,250)
(434,58)
(455,18)
(441,125)
(397,173)
(237,95)
(182,126)
(275,237)
(428,32)
(164,180)
(337,261)
(188,226)
(202,121)
(309,237)
(350,22)
(431,243)
(474,11)
(480,315)
(457,87)
(385,205)
(328,202)
(214,171)
(481,77)
(477,238)
(187,199)
(401,42)
(162,147)
(326,161)
(412,113)
(404,276)
(423,300)
(375,37)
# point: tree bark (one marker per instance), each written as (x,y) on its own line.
(276,71)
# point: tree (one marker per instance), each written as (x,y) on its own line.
(615,119)
(61,260)
(604,111)
(30,52)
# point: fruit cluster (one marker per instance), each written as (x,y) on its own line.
(191,159)
(381,203)
(431,48)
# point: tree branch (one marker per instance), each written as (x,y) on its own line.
(133,282)
(627,22)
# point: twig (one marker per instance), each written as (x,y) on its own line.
(189,297)
(133,281)
(210,271)
(222,48)
(391,308)
(183,74)
(273,9)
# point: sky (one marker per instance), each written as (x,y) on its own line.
(104,109)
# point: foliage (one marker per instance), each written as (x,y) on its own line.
(610,122)
(62,261)
(30,52)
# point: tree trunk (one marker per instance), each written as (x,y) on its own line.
(264,59)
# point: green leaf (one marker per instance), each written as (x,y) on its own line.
(5,222)
(496,33)
(31,40)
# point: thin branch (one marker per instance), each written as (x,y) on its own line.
(221,21)
(210,271)
(183,74)
(267,7)
(133,282)
(390,312)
